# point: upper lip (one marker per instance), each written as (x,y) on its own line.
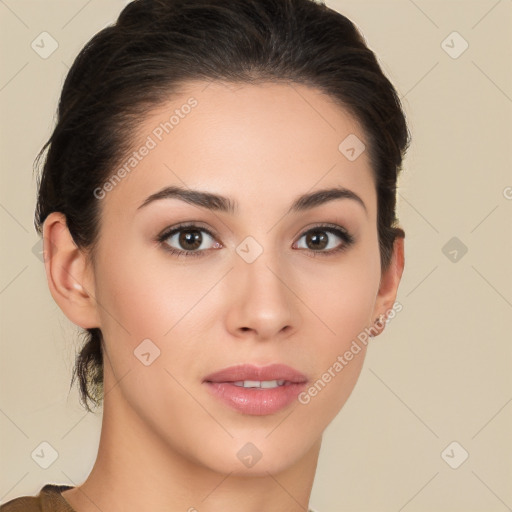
(258,373)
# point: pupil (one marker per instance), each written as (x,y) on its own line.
(318,239)
(191,238)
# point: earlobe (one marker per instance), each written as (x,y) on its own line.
(68,273)
(389,286)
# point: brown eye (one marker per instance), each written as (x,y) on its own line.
(188,240)
(316,240)
(322,240)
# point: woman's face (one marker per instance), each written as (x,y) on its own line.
(255,288)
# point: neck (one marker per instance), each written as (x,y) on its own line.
(137,470)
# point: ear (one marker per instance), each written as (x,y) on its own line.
(69,273)
(388,287)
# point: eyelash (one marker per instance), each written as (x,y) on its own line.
(340,232)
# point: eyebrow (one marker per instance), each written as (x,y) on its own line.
(221,203)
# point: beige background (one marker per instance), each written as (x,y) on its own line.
(441,372)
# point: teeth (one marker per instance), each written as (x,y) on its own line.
(271,383)
(265,384)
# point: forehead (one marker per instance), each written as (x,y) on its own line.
(267,142)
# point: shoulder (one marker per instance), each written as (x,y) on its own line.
(49,499)
(23,504)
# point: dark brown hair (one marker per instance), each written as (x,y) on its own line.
(155,46)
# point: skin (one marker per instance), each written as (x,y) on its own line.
(166,444)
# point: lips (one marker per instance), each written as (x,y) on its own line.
(257,373)
(255,390)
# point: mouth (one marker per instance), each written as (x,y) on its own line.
(256,390)
(261,384)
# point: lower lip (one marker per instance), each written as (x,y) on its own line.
(256,401)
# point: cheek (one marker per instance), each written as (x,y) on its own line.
(344,306)
(140,302)
(343,299)
(140,293)
(145,296)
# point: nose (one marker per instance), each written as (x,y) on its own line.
(262,303)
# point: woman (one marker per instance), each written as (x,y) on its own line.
(217,204)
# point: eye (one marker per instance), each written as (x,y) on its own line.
(188,240)
(322,240)
(191,240)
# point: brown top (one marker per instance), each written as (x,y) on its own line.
(49,499)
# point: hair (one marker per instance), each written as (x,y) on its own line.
(133,66)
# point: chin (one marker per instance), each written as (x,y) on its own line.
(254,455)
